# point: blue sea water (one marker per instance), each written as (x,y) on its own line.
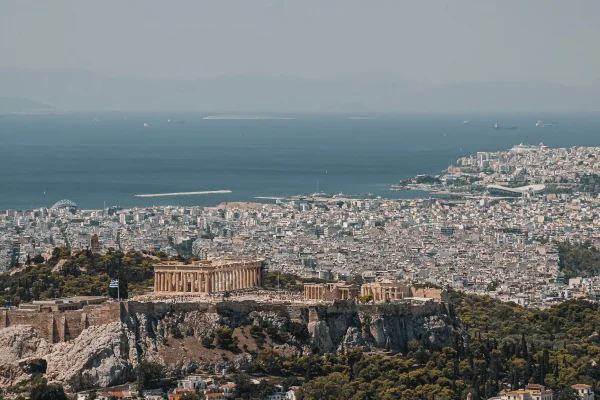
(72,157)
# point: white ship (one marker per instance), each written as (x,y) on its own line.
(540,124)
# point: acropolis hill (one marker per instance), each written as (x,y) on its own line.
(99,345)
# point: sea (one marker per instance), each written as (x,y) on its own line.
(108,158)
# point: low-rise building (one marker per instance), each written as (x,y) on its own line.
(583,391)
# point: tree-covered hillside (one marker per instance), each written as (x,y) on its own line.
(504,346)
(578,260)
(76,274)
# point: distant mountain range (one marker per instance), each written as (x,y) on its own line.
(76,90)
(16,105)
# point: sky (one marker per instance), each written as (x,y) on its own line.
(427,42)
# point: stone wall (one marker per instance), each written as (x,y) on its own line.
(430,293)
(60,326)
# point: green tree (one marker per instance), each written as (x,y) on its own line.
(269,361)
(225,339)
(243,385)
(43,391)
(148,372)
(334,386)
(567,394)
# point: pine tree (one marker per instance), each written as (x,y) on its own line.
(524,347)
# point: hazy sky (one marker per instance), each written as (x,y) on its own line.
(432,42)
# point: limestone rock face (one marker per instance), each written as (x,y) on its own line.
(20,349)
(108,354)
(101,356)
(352,338)
(320,335)
(22,341)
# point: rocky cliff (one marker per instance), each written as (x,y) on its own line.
(107,354)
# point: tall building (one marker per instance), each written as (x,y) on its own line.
(95,243)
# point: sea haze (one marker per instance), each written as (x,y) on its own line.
(116,157)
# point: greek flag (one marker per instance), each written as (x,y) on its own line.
(114,284)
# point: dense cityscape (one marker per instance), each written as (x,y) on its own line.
(492,228)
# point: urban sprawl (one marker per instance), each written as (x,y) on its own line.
(490,227)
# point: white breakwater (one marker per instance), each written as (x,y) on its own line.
(183,193)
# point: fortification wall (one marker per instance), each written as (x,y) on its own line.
(58,326)
(430,293)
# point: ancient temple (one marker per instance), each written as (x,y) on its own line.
(208,276)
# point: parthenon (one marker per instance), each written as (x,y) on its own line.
(208,276)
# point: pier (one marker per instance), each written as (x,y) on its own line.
(184,193)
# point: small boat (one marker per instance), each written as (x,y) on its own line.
(146,125)
(540,124)
(466,122)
